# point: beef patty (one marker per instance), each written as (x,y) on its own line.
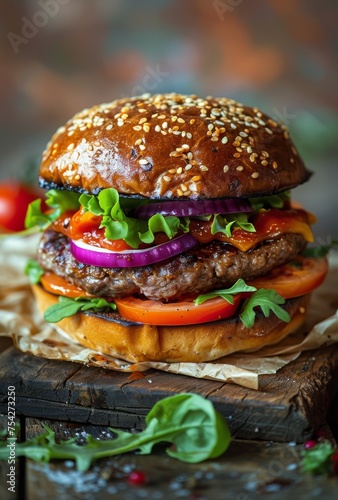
(204,268)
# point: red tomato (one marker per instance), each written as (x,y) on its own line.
(294,279)
(86,226)
(59,286)
(14,200)
(152,312)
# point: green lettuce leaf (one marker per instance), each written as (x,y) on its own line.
(227,224)
(60,201)
(272,201)
(118,225)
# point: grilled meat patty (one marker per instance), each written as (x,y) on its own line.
(204,268)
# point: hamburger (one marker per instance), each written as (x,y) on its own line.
(170,234)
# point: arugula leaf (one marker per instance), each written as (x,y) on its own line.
(34,271)
(118,225)
(67,307)
(61,201)
(268,301)
(226,293)
(272,201)
(188,421)
(318,460)
(320,251)
(227,224)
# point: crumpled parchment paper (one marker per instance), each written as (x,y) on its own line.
(20,319)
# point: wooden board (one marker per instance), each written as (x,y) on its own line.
(288,407)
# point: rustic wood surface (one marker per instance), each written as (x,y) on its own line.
(248,470)
(288,407)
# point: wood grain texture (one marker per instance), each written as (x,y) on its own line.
(246,471)
(288,407)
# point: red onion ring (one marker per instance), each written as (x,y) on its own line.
(194,207)
(102,257)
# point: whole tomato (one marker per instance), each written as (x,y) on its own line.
(14,200)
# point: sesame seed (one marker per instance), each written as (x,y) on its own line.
(77,177)
(253,158)
(192,121)
(143,162)
(124,116)
(180,120)
(179,170)
(157,128)
(120,123)
(189,135)
(141,110)
(166,178)
(264,163)
(188,167)
(243,134)
(90,147)
(249,149)
(108,127)
(184,187)
(70,146)
(185,146)
(138,142)
(214,138)
(225,139)
(225,168)
(146,127)
(294,150)
(165,125)
(210,126)
(179,192)
(142,120)
(275,164)
(154,115)
(236,155)
(269,131)
(70,133)
(196,178)
(255,175)
(240,168)
(137,127)
(142,147)
(204,168)
(161,117)
(236,143)
(232,125)
(172,171)
(163,132)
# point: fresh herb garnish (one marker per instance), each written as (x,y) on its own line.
(34,271)
(268,301)
(60,201)
(226,293)
(67,307)
(227,224)
(318,460)
(188,421)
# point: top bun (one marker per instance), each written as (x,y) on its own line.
(172,146)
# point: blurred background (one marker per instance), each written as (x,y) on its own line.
(59,56)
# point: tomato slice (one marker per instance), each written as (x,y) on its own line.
(153,312)
(59,286)
(294,279)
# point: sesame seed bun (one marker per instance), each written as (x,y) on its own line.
(136,342)
(173,146)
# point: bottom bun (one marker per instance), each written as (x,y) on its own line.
(109,334)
